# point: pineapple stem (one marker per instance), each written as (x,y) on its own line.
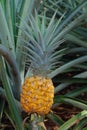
(34,122)
(14,69)
(37,122)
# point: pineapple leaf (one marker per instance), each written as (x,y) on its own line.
(5,35)
(14,69)
(49,28)
(73,120)
(9,18)
(43,25)
(25,11)
(68,65)
(71,15)
(10,98)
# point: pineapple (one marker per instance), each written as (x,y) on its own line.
(37,95)
(38,90)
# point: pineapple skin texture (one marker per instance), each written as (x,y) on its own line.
(37,95)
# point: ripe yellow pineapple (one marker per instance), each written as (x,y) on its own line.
(38,91)
(37,95)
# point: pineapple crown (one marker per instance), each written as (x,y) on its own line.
(40,42)
(43,36)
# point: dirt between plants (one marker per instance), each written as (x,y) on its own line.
(65,112)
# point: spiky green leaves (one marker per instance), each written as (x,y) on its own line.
(41,43)
(43,37)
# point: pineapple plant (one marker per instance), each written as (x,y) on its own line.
(39,46)
(38,90)
(42,38)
